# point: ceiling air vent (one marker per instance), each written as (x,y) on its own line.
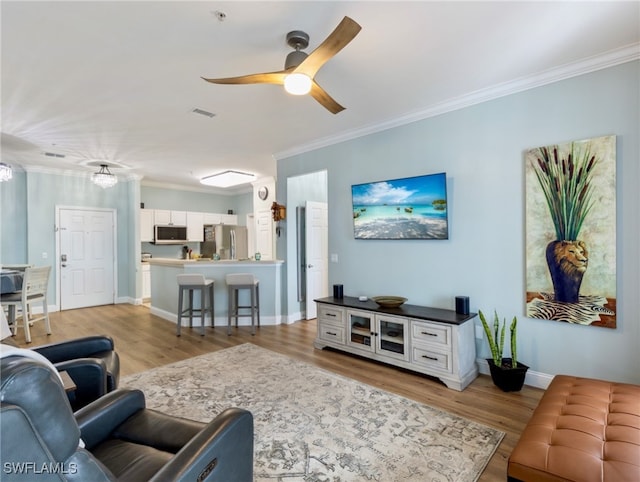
(203,112)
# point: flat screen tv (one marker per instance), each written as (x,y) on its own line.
(407,208)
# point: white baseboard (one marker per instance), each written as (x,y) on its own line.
(293,317)
(219,320)
(533,378)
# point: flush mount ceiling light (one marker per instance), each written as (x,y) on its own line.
(6,172)
(104,178)
(227,179)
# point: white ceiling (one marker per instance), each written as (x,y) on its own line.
(118,81)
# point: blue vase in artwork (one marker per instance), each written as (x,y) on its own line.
(567,262)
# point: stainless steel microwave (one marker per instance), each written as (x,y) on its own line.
(169,234)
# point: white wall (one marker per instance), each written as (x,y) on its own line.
(482,150)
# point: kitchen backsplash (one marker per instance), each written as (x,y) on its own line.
(169,250)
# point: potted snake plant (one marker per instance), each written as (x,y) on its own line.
(507,373)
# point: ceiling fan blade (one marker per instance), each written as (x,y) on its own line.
(263,78)
(344,33)
(319,94)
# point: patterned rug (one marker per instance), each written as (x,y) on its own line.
(314,425)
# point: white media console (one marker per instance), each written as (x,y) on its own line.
(432,341)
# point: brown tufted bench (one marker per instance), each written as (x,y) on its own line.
(583,430)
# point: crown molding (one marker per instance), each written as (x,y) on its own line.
(574,69)
(264,180)
(74,172)
(83,173)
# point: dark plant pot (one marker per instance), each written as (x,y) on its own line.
(507,379)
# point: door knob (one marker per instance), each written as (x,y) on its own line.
(309,266)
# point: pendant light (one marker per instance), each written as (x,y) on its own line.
(6,172)
(104,178)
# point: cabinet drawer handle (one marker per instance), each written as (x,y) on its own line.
(430,357)
(331,314)
(427,333)
(330,333)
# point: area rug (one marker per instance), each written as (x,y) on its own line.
(313,425)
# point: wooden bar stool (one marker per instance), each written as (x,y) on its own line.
(235,283)
(191,283)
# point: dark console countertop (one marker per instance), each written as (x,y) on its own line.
(412,311)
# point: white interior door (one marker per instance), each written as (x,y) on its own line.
(317,252)
(86,258)
(251,235)
(264,234)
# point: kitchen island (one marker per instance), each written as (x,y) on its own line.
(164,288)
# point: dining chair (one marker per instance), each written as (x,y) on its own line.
(34,290)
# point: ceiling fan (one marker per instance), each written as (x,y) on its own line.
(300,68)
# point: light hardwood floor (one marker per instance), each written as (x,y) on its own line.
(144,341)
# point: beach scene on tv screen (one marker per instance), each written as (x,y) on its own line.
(408,208)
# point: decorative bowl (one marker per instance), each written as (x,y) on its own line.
(389,301)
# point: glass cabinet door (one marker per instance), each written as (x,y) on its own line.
(393,337)
(360,329)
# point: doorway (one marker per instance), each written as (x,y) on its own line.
(301,191)
(85,253)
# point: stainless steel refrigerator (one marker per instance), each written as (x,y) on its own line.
(208,246)
(231,241)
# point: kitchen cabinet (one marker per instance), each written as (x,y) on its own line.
(211,218)
(164,216)
(146,225)
(231,219)
(161,216)
(195,226)
(194,221)
(146,281)
(432,341)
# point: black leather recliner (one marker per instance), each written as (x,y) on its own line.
(123,440)
(91,362)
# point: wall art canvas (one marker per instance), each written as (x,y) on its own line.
(407,208)
(571,232)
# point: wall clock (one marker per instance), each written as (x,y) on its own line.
(263,192)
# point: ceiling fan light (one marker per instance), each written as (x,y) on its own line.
(297,84)
(6,173)
(103,177)
(294,59)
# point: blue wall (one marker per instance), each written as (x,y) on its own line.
(31,199)
(13,219)
(183,200)
(27,217)
(481,148)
